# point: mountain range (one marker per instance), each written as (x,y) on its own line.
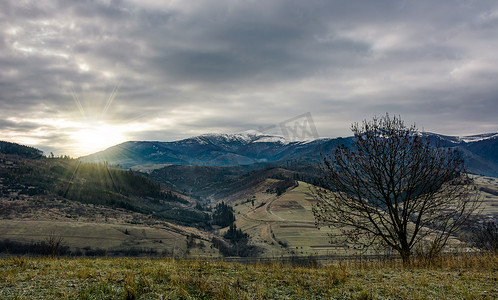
(256,148)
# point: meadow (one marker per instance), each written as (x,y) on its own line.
(451,277)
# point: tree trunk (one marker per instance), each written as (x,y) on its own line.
(405,254)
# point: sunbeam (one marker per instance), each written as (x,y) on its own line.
(109,101)
(78,104)
(96,131)
(96,136)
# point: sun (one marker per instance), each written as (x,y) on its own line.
(94,133)
(96,136)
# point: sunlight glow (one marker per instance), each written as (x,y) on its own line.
(91,127)
(84,67)
(96,136)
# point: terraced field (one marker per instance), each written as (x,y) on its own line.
(284,225)
(488,187)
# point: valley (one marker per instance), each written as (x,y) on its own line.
(248,149)
(163,210)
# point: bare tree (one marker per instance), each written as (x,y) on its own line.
(396,188)
(54,245)
(485,236)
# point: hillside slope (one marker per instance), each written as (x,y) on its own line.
(93,184)
(94,208)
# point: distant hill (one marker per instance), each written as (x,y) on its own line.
(216,183)
(480,151)
(24,151)
(93,184)
(254,148)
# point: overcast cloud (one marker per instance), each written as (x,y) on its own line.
(184,68)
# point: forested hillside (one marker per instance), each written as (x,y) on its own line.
(92,183)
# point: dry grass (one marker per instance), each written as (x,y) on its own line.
(462,277)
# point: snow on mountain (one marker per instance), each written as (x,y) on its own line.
(452,140)
(245,137)
(463,139)
(478,137)
(251,132)
(271,139)
(250,147)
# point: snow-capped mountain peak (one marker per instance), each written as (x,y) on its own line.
(245,137)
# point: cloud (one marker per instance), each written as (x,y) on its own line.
(233,65)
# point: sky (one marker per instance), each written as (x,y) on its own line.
(79,76)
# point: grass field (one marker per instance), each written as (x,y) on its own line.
(488,187)
(285,225)
(279,224)
(96,235)
(84,226)
(125,278)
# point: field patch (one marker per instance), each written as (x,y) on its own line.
(128,278)
(286,205)
(114,238)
